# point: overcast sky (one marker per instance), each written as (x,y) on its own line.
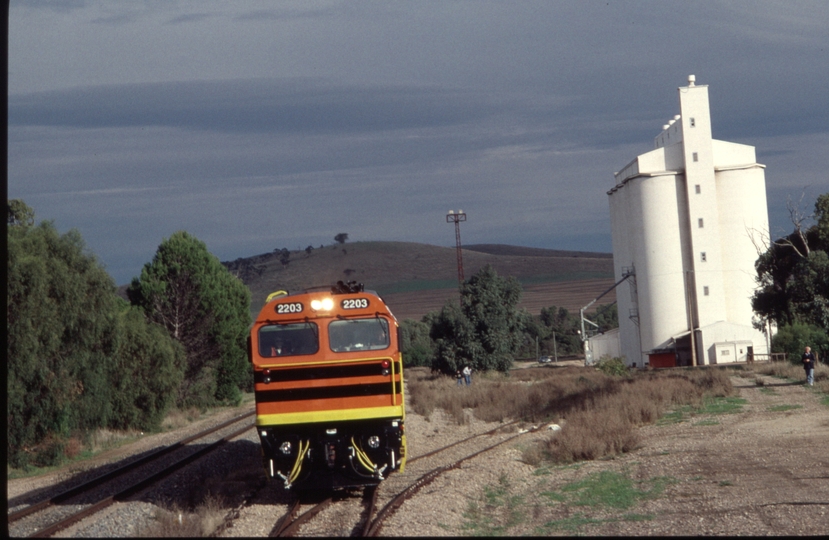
(258,125)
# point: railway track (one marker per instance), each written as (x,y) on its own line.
(105,490)
(397,500)
(371,522)
(291,522)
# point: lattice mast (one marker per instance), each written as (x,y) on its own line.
(456,218)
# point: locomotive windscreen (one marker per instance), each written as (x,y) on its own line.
(359,335)
(289,339)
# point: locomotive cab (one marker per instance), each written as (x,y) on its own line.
(329,388)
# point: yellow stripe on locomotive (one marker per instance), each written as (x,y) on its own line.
(329,388)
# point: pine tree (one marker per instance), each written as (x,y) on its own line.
(189,292)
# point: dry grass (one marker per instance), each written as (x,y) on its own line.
(178,418)
(786,370)
(203,521)
(599,413)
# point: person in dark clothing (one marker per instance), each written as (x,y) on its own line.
(809,365)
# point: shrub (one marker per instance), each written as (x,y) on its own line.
(613,366)
(77,359)
(792,339)
(602,411)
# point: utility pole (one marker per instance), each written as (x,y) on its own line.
(452,217)
(555,347)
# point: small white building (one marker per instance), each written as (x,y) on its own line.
(603,345)
(688,219)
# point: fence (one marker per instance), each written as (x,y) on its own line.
(773,357)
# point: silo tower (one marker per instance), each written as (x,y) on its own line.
(686,220)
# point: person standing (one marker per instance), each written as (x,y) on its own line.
(459,377)
(809,365)
(467,375)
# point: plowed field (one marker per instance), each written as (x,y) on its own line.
(571,295)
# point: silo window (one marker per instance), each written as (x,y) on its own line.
(696,156)
(699,223)
(698,189)
(705,290)
(702,256)
(693,122)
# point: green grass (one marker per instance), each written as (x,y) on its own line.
(676,416)
(782,408)
(722,405)
(612,489)
(716,405)
(498,511)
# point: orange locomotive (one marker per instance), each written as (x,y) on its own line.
(329,388)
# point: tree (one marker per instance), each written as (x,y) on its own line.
(67,363)
(341,238)
(20,214)
(792,339)
(564,327)
(204,308)
(793,274)
(284,256)
(415,345)
(454,337)
(148,368)
(486,330)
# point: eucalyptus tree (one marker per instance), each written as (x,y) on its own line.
(793,274)
(75,359)
(485,330)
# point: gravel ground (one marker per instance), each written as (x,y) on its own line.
(761,471)
(127,519)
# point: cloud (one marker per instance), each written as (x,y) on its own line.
(250,106)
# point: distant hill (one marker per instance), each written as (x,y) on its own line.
(520,251)
(416,278)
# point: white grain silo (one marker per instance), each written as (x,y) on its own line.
(688,218)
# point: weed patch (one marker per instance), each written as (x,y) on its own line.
(606,490)
(722,405)
(613,490)
(783,408)
(201,522)
(496,512)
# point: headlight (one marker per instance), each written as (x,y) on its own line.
(285,448)
(326,304)
(374,441)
